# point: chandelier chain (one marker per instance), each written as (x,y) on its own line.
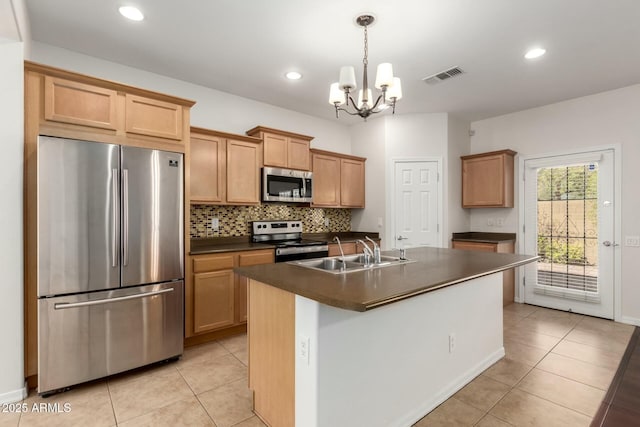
(365,60)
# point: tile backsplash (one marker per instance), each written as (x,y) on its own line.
(235,220)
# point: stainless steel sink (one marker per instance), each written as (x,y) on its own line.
(351,263)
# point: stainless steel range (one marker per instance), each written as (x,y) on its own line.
(287,237)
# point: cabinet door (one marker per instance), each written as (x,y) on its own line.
(214,300)
(351,183)
(146,116)
(326,180)
(66,101)
(483,182)
(208,169)
(298,154)
(242,282)
(275,150)
(243,172)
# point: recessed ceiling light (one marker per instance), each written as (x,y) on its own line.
(293,75)
(535,53)
(131,12)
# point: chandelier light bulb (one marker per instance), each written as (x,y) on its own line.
(384,76)
(336,96)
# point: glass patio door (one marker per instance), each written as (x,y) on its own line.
(569,223)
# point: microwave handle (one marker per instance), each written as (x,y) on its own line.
(304,187)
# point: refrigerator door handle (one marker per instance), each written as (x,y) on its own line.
(114,217)
(125,216)
(65,305)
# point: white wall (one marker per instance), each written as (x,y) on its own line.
(214,109)
(606,118)
(457,220)
(368,140)
(11,290)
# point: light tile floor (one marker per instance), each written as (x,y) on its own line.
(556,371)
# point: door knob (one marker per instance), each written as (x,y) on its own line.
(402,238)
(608,243)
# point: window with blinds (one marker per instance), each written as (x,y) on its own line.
(567,241)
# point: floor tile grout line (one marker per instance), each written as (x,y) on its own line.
(113,410)
(205,410)
(558,404)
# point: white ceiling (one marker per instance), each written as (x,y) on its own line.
(245,46)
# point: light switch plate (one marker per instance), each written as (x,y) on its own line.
(215,224)
(632,240)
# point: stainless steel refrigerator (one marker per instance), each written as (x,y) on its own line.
(110,259)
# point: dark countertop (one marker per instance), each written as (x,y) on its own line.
(364,290)
(482,237)
(214,245)
(225,244)
(344,236)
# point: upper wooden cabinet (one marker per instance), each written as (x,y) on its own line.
(66,101)
(487,180)
(352,183)
(67,104)
(146,116)
(225,168)
(283,149)
(338,180)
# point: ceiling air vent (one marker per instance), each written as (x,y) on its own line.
(443,75)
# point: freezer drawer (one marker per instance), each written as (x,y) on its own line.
(88,336)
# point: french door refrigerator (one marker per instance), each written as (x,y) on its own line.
(110,259)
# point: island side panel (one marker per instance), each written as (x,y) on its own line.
(390,366)
(271,334)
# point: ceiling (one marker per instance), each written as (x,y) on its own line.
(245,47)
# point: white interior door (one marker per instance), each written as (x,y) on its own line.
(569,222)
(416,205)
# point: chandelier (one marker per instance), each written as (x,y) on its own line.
(389,86)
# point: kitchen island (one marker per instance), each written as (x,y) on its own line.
(380,347)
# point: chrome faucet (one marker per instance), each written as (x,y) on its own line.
(376,250)
(366,250)
(344,263)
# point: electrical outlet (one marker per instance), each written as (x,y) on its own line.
(452,342)
(327,222)
(632,240)
(215,224)
(491,222)
(303,347)
(500,222)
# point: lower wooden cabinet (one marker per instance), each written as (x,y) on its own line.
(220,295)
(214,300)
(508,276)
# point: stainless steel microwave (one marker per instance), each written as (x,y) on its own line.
(286,185)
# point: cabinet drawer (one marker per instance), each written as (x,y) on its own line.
(349,248)
(146,116)
(256,258)
(75,103)
(212,263)
(473,246)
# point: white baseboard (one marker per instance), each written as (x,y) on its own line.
(451,389)
(629,320)
(14,396)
